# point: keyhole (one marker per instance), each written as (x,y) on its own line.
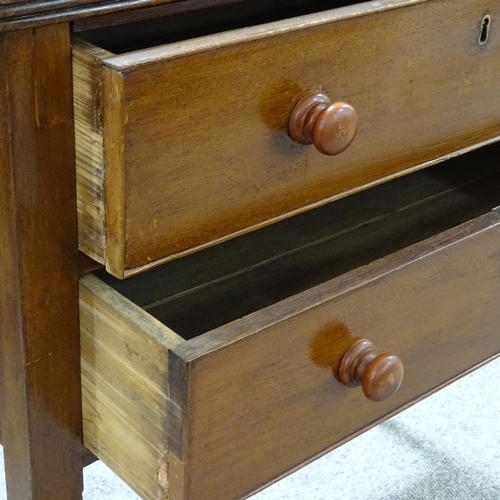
(485,29)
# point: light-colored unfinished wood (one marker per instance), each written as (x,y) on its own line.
(124,386)
(202,124)
(253,399)
(89,152)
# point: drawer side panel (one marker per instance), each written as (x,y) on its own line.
(125,387)
(89,152)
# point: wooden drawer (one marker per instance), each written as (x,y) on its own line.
(184,145)
(239,388)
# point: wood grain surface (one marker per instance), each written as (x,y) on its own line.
(19,14)
(261,397)
(221,425)
(206,158)
(87,102)
(228,281)
(40,343)
(125,392)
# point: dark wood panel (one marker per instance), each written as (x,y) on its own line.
(88,457)
(27,9)
(223,283)
(90,14)
(189,19)
(41,407)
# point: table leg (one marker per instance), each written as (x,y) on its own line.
(39,341)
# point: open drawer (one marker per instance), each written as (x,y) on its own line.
(241,387)
(186,144)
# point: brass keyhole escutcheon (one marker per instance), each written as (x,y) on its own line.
(485,30)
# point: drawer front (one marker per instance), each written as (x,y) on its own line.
(194,146)
(252,400)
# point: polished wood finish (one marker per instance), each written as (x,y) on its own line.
(97,13)
(380,374)
(16,15)
(207,173)
(256,382)
(41,402)
(331,127)
(151,397)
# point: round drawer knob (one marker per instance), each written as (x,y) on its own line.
(380,375)
(330,127)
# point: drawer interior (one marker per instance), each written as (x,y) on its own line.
(203,291)
(190,20)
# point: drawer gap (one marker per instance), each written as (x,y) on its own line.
(190,23)
(223,283)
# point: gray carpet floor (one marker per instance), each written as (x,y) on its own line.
(446,447)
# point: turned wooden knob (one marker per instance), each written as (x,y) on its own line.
(380,375)
(330,127)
